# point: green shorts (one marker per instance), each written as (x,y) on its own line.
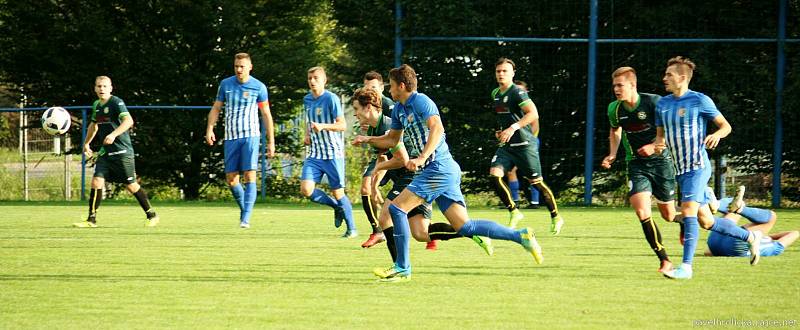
(525,158)
(655,175)
(116,169)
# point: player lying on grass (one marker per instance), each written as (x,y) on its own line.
(760,220)
(367,105)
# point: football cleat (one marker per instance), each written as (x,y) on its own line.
(556,224)
(373,239)
(85,224)
(666,266)
(737,204)
(713,202)
(350,234)
(152,220)
(678,274)
(431,246)
(531,245)
(244,225)
(338,217)
(392,274)
(755,247)
(485,243)
(514,217)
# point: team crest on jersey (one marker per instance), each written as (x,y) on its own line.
(105,110)
(682,112)
(246,94)
(410,118)
(319,111)
(641,115)
(505,99)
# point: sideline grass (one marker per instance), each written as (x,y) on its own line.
(198,270)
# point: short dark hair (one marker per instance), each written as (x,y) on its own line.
(504,60)
(684,65)
(372,75)
(404,74)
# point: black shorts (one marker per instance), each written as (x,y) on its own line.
(525,158)
(655,175)
(119,169)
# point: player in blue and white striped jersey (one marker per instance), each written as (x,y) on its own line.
(325,126)
(681,125)
(416,120)
(243,97)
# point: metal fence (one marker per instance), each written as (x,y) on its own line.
(405,40)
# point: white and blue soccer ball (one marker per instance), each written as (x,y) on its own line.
(56,120)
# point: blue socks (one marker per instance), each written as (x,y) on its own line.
(755,214)
(514,187)
(318,196)
(250,192)
(489,229)
(238,195)
(402,236)
(534,195)
(729,228)
(690,235)
(347,207)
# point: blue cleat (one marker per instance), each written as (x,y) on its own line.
(679,273)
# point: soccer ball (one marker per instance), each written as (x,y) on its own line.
(56,120)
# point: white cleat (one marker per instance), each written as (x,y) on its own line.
(755,248)
(737,204)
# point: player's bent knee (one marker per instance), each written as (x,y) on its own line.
(496,171)
(133,187)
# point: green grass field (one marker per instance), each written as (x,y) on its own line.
(291,270)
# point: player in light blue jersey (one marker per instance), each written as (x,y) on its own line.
(681,126)
(760,220)
(325,136)
(416,119)
(243,97)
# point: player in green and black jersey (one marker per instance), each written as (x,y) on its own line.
(110,122)
(632,119)
(518,145)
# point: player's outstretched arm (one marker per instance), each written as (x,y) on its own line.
(386,141)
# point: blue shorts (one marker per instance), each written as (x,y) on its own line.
(241,154)
(726,246)
(439,181)
(314,168)
(693,185)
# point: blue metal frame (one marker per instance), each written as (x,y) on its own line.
(588,165)
(592,42)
